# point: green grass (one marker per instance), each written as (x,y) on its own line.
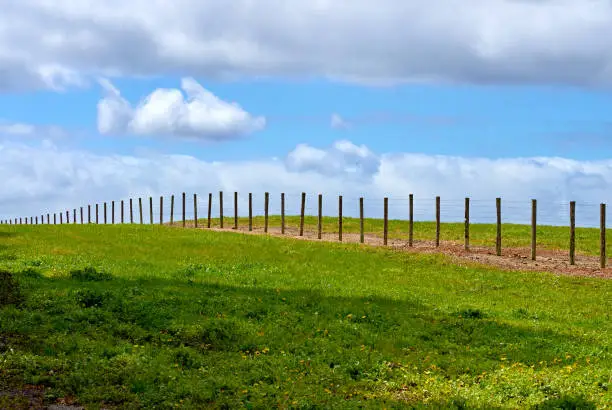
(149,316)
(513,235)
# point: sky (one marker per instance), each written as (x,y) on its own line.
(112,100)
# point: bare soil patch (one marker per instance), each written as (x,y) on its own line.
(518,259)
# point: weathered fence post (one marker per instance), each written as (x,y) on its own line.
(105,219)
(283,213)
(410,219)
(151,210)
(74,218)
(61,214)
(250,211)
(534,214)
(81,216)
(54,219)
(131,211)
(303,208)
(221,209)
(209,209)
(385,220)
(572,232)
(498,238)
(140,209)
(602,236)
(171,209)
(236,210)
(467,224)
(340,218)
(184,205)
(266,206)
(437,221)
(195,210)
(161,210)
(67,217)
(361,234)
(113,212)
(320,217)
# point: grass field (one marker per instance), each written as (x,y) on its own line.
(149,316)
(513,235)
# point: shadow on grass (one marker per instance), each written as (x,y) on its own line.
(192,324)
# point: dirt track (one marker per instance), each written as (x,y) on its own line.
(511,258)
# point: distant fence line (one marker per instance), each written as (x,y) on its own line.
(79,216)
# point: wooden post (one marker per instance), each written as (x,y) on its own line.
(161,210)
(361,235)
(250,211)
(131,211)
(209,209)
(572,233)
(385,220)
(411,219)
(534,213)
(105,213)
(81,216)
(437,221)
(89,213)
(340,218)
(235,210)
(221,208)
(282,213)
(140,209)
(302,209)
(184,205)
(36,220)
(602,236)
(151,210)
(113,212)
(498,238)
(171,209)
(97,214)
(48,219)
(74,218)
(467,224)
(122,211)
(67,217)
(320,218)
(195,210)
(61,214)
(54,219)
(266,208)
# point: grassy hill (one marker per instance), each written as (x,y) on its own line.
(143,316)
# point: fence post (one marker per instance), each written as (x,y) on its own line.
(572,232)
(67,217)
(88,213)
(209,208)
(74,218)
(161,210)
(498,238)
(48,219)
(385,220)
(113,212)
(534,213)
(437,221)
(81,216)
(361,236)
(411,219)
(184,205)
(467,224)
(105,208)
(320,217)
(195,210)
(303,206)
(61,214)
(340,218)
(250,211)
(602,236)
(54,219)
(236,210)
(221,209)
(283,213)
(122,211)
(171,209)
(140,209)
(131,211)
(266,206)
(151,210)
(36,220)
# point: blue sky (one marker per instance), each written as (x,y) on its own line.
(491,98)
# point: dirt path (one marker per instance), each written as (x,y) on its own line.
(511,258)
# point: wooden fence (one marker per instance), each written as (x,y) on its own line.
(46,219)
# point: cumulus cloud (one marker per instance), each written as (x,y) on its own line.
(45,178)
(61,43)
(200,115)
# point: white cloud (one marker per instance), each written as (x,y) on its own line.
(338,122)
(22,130)
(45,178)
(56,43)
(201,115)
